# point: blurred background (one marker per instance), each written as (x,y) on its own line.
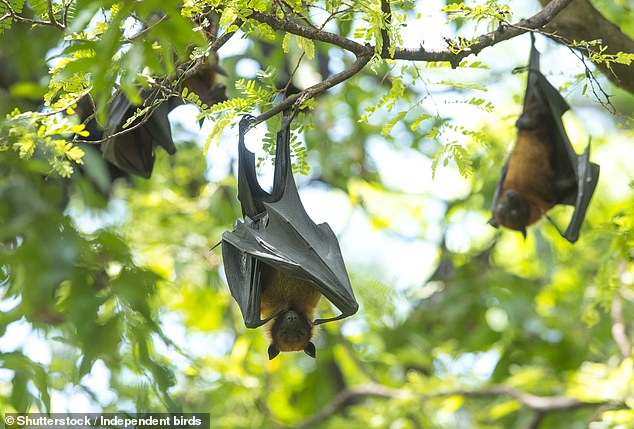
(111,299)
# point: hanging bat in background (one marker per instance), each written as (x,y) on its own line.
(278,262)
(543,169)
(133,151)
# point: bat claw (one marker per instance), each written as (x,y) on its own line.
(246,123)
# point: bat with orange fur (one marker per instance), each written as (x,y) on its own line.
(543,169)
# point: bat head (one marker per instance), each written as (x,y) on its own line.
(512,211)
(291,331)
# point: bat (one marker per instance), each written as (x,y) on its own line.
(543,169)
(277,261)
(134,150)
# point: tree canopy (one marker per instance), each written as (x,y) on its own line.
(111,299)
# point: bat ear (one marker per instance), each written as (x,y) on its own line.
(273,351)
(310,350)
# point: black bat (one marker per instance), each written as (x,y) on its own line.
(543,169)
(278,262)
(133,150)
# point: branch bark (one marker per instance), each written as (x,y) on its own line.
(505,32)
(581,21)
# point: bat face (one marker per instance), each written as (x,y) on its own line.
(512,211)
(291,332)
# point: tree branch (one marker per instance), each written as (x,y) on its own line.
(387,11)
(504,32)
(311,92)
(364,53)
(349,396)
(534,402)
(12,14)
(538,404)
(311,33)
(220,41)
(582,21)
(51,16)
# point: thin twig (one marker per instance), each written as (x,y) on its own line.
(157,102)
(65,15)
(144,30)
(51,16)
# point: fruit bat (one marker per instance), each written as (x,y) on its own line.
(543,169)
(277,261)
(133,151)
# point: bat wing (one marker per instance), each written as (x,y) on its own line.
(133,151)
(250,194)
(587,179)
(243,274)
(284,237)
(496,195)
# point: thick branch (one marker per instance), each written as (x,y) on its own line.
(581,21)
(504,32)
(537,404)
(364,52)
(311,33)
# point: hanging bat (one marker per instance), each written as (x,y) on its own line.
(133,150)
(278,262)
(543,169)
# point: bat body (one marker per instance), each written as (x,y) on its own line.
(292,330)
(543,169)
(278,262)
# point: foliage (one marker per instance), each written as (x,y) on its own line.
(460,325)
